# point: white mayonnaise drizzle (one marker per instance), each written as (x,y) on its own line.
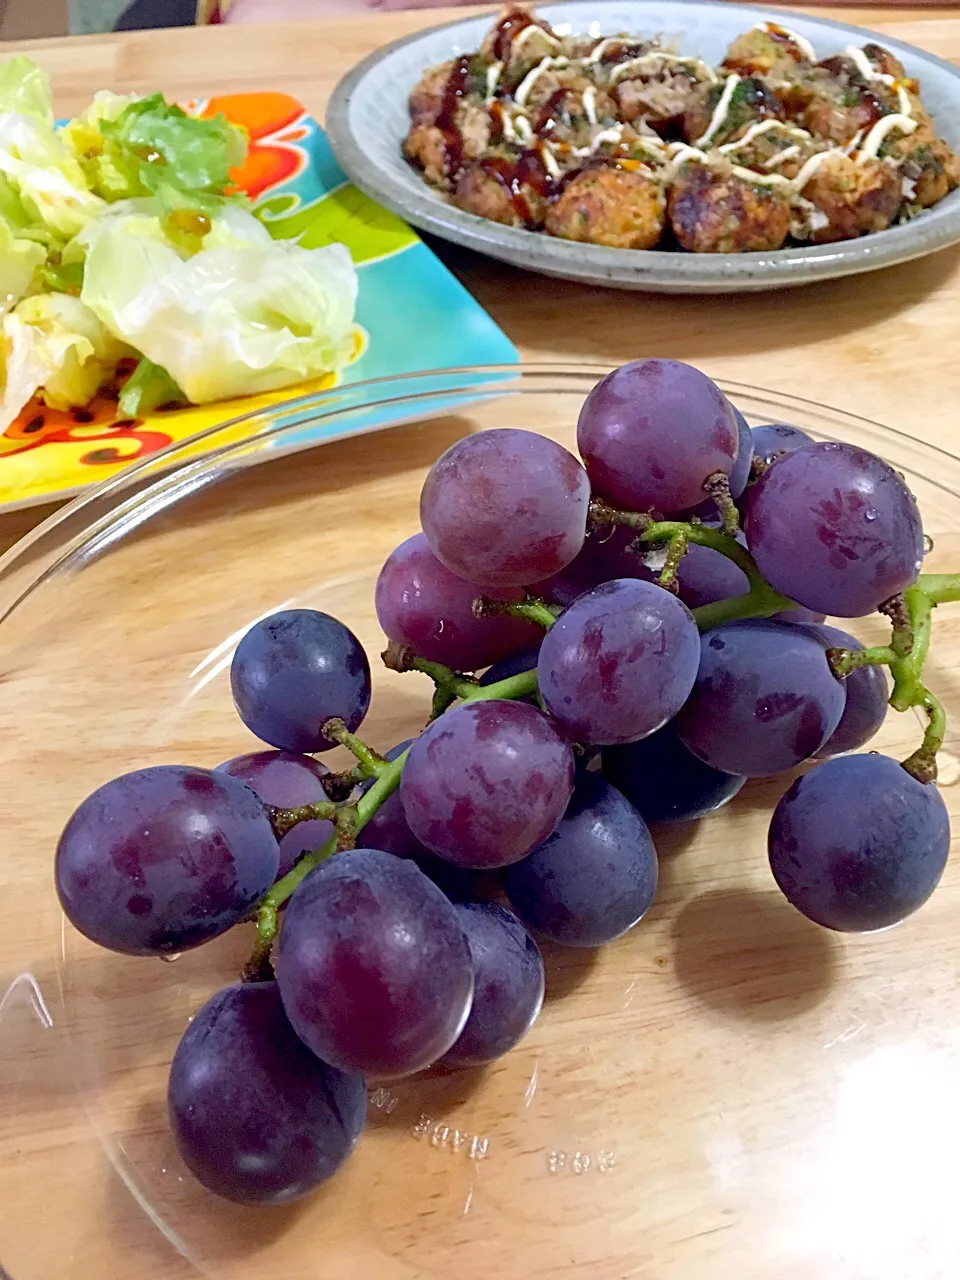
(590,103)
(524,131)
(493,78)
(549,163)
(788,153)
(613,134)
(598,50)
(874,139)
(521,38)
(866,67)
(649,60)
(804,45)
(906,108)
(764,126)
(719,112)
(531,78)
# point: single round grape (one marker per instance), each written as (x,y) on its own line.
(858,843)
(651,432)
(373,967)
(256,1116)
(834,528)
(508,990)
(605,556)
(486,782)
(389,830)
(705,575)
(774,438)
(664,781)
(514,665)
(619,662)
(286,780)
(594,878)
(163,859)
(765,698)
(708,510)
(294,671)
(505,507)
(422,604)
(867,698)
(799,614)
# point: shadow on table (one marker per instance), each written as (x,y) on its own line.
(750,955)
(614,326)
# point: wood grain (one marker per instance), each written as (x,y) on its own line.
(726,1094)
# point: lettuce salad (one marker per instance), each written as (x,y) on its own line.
(118,240)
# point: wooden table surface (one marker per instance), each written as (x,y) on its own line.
(725,1006)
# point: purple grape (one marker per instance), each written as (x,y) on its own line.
(705,575)
(594,877)
(508,990)
(605,556)
(486,782)
(664,781)
(373,967)
(163,859)
(708,510)
(257,1117)
(764,699)
(294,671)
(389,830)
(858,843)
(504,507)
(652,432)
(769,441)
(422,604)
(286,780)
(834,528)
(619,662)
(516,664)
(867,696)
(799,615)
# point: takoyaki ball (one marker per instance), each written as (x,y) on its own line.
(520,40)
(619,205)
(662,102)
(750,101)
(928,169)
(493,188)
(858,197)
(564,117)
(883,61)
(712,210)
(427,148)
(760,53)
(426,96)
(476,129)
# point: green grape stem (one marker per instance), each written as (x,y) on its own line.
(910,616)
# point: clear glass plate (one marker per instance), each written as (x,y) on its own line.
(728,1091)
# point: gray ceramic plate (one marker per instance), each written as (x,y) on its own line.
(367,120)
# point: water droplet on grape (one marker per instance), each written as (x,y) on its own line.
(172,957)
(870,514)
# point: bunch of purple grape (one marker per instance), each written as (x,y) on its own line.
(649,630)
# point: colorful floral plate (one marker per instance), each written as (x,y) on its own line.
(412,314)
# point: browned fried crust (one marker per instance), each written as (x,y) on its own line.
(857,198)
(611,206)
(714,211)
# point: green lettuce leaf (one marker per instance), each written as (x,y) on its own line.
(20,266)
(54,342)
(148,387)
(245,314)
(25,89)
(130,147)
